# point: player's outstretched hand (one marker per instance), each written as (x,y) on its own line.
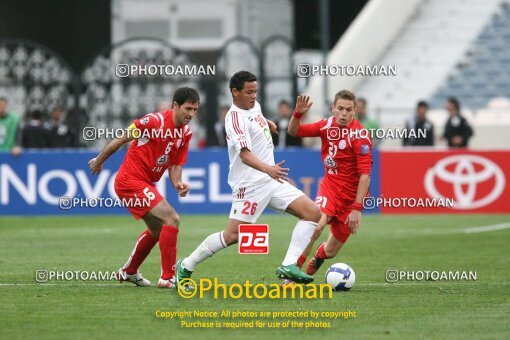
(95,168)
(272,127)
(182,189)
(303,104)
(354,220)
(278,173)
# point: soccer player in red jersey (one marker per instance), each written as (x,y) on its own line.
(162,140)
(346,152)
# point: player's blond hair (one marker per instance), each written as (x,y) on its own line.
(345,94)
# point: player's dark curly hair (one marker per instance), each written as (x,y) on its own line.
(239,78)
(186,95)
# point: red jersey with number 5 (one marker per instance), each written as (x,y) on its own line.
(346,154)
(160,145)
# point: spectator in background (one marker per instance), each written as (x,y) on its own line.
(283,139)
(219,126)
(163,106)
(34,135)
(198,141)
(60,135)
(9,129)
(362,117)
(457,130)
(417,123)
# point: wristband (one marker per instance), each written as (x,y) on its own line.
(297,115)
(357,206)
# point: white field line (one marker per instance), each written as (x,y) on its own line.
(487,228)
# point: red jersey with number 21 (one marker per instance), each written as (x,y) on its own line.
(161,144)
(346,154)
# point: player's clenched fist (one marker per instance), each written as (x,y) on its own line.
(303,104)
(95,167)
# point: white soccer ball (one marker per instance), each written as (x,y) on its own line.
(340,276)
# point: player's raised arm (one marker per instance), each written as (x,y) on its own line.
(96,164)
(303,104)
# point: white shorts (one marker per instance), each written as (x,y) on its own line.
(248,203)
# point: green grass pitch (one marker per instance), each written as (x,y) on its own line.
(425,309)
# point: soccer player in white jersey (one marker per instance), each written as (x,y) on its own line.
(256,182)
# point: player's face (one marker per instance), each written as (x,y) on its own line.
(185,112)
(343,110)
(245,98)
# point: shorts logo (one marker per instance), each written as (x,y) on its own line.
(333,133)
(329,162)
(162,160)
(144,121)
(342,144)
(253,239)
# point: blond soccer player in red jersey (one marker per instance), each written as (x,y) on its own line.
(346,152)
(161,142)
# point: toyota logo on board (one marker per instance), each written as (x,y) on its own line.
(472,181)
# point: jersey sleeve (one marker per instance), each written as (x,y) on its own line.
(237,131)
(181,156)
(363,150)
(310,130)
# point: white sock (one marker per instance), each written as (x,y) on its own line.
(207,248)
(301,237)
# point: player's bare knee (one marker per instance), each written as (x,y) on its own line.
(312,213)
(172,218)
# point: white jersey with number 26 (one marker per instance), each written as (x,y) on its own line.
(247,129)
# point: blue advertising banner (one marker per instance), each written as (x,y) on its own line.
(34,182)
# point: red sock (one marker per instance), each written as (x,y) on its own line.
(143,247)
(168,250)
(321,254)
(301,260)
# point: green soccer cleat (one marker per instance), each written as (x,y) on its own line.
(292,272)
(181,273)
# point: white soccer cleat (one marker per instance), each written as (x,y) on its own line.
(136,279)
(167,283)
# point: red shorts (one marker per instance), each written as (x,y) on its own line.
(140,196)
(338,208)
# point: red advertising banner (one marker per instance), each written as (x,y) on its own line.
(444,182)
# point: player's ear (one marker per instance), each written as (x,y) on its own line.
(175,105)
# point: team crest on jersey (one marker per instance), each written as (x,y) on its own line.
(329,162)
(144,121)
(365,148)
(162,160)
(342,144)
